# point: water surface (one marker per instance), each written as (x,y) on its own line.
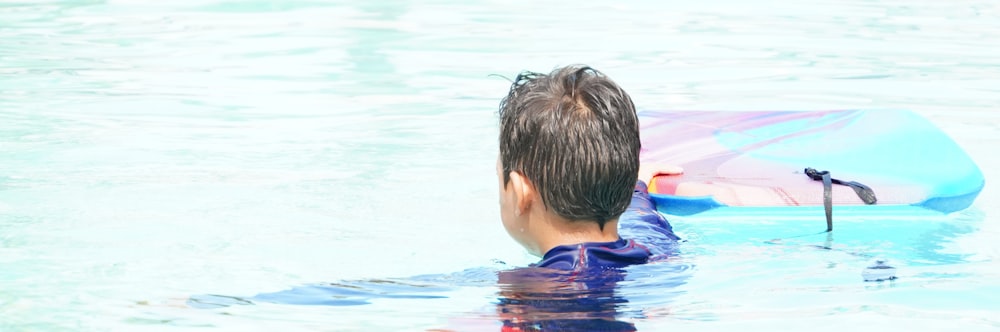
(151,151)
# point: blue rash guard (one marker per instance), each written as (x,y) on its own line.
(640,220)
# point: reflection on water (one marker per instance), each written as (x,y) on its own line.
(536,299)
(330,294)
(527,299)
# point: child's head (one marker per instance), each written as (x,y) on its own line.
(574,136)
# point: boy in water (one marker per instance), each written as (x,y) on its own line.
(569,171)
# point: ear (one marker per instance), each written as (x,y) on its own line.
(524,192)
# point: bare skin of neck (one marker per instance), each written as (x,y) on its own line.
(551,230)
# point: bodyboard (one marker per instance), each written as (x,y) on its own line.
(754,162)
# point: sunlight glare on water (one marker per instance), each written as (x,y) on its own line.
(151,151)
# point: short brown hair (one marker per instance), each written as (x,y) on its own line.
(575,135)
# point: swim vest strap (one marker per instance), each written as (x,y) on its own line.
(866,194)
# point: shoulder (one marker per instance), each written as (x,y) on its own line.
(615,254)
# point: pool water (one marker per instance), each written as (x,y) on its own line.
(153,151)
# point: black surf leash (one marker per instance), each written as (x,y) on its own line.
(866,194)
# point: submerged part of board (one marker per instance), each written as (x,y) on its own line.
(756,160)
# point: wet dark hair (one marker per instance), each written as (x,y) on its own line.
(574,134)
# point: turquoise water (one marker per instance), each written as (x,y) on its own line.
(151,151)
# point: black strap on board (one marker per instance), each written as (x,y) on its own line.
(866,194)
